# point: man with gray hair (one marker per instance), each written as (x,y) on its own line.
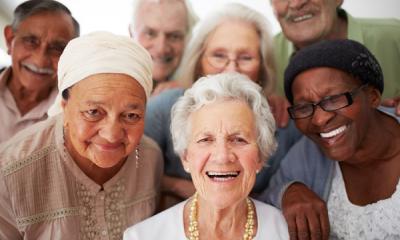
(163,27)
(35,40)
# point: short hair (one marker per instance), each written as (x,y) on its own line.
(188,73)
(220,87)
(190,14)
(32,7)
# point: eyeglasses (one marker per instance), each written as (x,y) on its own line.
(221,60)
(328,104)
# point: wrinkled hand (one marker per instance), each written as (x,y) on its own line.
(278,106)
(393,102)
(165,86)
(305,213)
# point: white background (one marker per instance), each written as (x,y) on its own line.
(114,16)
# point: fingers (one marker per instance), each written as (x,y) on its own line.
(303,232)
(324,220)
(292,227)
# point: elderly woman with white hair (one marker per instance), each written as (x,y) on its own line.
(86,173)
(211,51)
(223,130)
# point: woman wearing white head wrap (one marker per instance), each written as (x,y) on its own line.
(87,173)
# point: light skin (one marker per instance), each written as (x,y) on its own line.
(308,21)
(246,46)
(103,123)
(161,28)
(35,48)
(222,139)
(368,147)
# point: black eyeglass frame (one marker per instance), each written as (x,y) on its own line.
(349,96)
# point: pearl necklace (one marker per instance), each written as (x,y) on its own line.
(193,224)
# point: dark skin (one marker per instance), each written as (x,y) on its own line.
(364,156)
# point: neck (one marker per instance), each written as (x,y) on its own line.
(226,223)
(26,99)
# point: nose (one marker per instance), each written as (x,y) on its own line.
(231,66)
(161,45)
(112,131)
(41,58)
(297,3)
(321,117)
(222,153)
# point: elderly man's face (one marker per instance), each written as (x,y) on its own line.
(222,154)
(338,133)
(35,48)
(305,22)
(161,29)
(221,54)
(104,119)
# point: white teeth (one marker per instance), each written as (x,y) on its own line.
(222,174)
(35,69)
(333,132)
(302,18)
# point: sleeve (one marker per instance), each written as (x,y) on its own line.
(8,224)
(303,163)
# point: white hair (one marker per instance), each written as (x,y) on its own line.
(219,87)
(188,71)
(190,15)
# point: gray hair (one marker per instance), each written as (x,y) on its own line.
(191,15)
(187,73)
(224,86)
(32,7)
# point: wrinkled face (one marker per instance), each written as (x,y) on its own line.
(222,155)
(341,133)
(241,55)
(160,27)
(305,22)
(104,118)
(35,48)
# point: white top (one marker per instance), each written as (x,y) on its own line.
(380,220)
(168,225)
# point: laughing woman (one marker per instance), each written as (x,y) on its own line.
(223,130)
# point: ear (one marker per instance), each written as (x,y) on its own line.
(185,161)
(63,104)
(8,36)
(374,97)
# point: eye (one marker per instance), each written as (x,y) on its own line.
(218,55)
(131,117)
(56,49)
(238,140)
(245,58)
(205,140)
(149,33)
(92,114)
(30,41)
(175,37)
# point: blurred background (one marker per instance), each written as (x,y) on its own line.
(114,16)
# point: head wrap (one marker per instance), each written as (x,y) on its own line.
(102,52)
(346,55)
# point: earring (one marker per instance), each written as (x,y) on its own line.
(187,169)
(137,157)
(257,171)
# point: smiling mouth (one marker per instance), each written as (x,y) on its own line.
(36,70)
(302,18)
(222,176)
(334,132)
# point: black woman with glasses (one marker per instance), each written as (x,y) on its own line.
(341,180)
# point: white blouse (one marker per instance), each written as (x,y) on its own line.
(380,220)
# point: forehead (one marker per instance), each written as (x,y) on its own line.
(227,115)
(162,15)
(244,33)
(324,80)
(53,25)
(108,85)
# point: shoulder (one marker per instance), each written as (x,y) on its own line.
(271,222)
(166,98)
(28,145)
(165,225)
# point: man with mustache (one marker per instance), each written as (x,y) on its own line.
(35,40)
(305,22)
(163,28)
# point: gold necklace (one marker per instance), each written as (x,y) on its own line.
(193,224)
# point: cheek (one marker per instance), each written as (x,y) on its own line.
(197,159)
(134,134)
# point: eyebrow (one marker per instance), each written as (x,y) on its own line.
(130,106)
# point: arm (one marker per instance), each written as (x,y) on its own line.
(8,225)
(302,169)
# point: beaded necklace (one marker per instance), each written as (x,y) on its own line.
(193,224)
